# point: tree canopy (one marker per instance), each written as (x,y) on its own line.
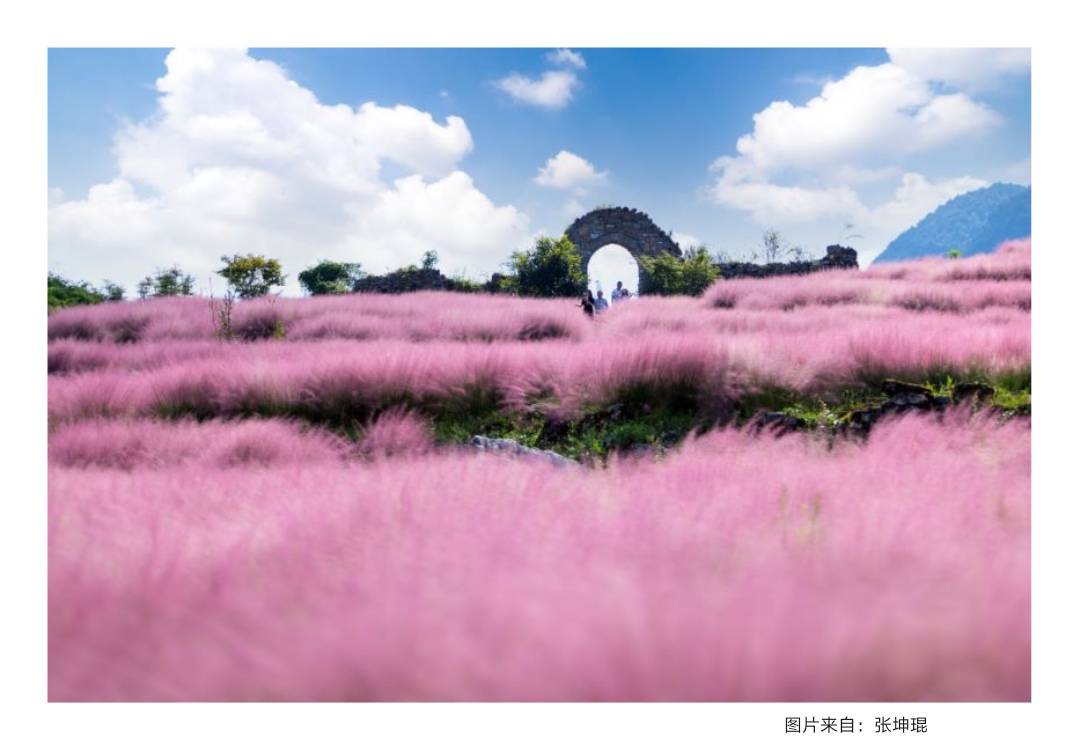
(168,282)
(252,275)
(64,293)
(550,269)
(690,274)
(330,277)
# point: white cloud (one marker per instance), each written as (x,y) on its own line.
(873,114)
(963,68)
(914,197)
(239,158)
(851,174)
(805,164)
(573,208)
(412,138)
(781,205)
(448,214)
(567,57)
(1017,172)
(552,90)
(684,240)
(568,171)
(769,203)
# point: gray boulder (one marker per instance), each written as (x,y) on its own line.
(507,447)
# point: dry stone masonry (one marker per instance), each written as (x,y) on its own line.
(637,233)
(836,256)
(628,227)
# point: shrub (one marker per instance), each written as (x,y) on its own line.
(252,324)
(330,277)
(689,275)
(113,292)
(64,293)
(169,282)
(551,269)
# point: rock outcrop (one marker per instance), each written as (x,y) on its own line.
(507,447)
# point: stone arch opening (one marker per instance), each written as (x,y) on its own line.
(627,227)
(609,265)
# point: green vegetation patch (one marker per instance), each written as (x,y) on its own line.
(642,416)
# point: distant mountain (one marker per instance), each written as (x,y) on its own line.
(975,222)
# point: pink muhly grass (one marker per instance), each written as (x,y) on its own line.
(421,316)
(957,286)
(396,432)
(349,379)
(1010,262)
(736,569)
(344,358)
(171,317)
(152,444)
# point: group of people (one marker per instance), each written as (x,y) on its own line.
(597,304)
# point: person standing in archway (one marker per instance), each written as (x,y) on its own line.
(600,304)
(619,293)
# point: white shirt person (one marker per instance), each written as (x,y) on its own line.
(601,304)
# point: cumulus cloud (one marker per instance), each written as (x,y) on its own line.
(872,114)
(568,171)
(770,203)
(567,57)
(684,240)
(806,163)
(239,158)
(1017,172)
(552,90)
(782,205)
(446,214)
(914,197)
(573,208)
(974,69)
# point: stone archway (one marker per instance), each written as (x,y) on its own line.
(628,227)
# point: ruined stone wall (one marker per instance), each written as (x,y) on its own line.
(408,280)
(637,233)
(836,256)
(628,227)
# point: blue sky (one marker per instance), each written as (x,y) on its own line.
(377,154)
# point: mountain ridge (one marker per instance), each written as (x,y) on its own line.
(974,222)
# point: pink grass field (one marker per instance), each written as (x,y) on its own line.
(736,569)
(242,558)
(810,333)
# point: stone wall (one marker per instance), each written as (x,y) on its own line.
(628,227)
(415,279)
(409,280)
(637,233)
(836,256)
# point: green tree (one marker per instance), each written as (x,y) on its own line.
(252,275)
(430,260)
(550,269)
(64,293)
(667,274)
(955,253)
(330,277)
(113,292)
(168,282)
(145,288)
